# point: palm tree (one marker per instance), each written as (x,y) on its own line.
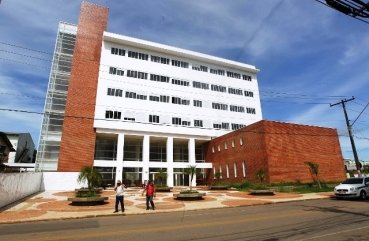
(191,171)
(92,176)
(314,171)
(161,175)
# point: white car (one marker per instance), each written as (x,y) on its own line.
(356,187)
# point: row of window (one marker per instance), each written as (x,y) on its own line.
(177,63)
(178,101)
(117,115)
(226,143)
(165,79)
(219,173)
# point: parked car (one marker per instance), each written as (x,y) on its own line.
(356,187)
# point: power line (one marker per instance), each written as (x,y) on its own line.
(29,49)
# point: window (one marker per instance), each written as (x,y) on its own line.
(218,88)
(218,147)
(153,118)
(250,110)
(129,119)
(225,146)
(235,169)
(154,98)
(186,123)
(116,71)
(164,98)
(159,78)
(237,126)
(244,168)
(197,103)
(200,85)
(109,114)
(178,63)
(219,106)
(176,121)
(234,91)
(217,126)
(225,126)
(249,93)
(134,95)
(214,172)
(136,74)
(241,141)
(212,150)
(217,71)
(115,92)
(246,77)
(179,101)
(137,55)
(236,108)
(180,82)
(201,68)
(198,123)
(220,172)
(118,51)
(233,75)
(227,169)
(160,60)
(232,143)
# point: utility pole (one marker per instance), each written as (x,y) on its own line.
(349,128)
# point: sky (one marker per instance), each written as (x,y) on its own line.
(309,55)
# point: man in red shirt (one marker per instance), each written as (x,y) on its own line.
(150,194)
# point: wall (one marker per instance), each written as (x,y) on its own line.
(281,149)
(63,181)
(15,186)
(78,137)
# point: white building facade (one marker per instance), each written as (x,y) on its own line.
(164,103)
(156,108)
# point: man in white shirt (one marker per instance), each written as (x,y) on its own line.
(119,196)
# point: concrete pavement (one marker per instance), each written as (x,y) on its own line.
(51,205)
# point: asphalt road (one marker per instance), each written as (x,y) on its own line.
(304,220)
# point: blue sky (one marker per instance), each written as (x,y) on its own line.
(308,54)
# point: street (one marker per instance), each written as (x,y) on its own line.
(304,220)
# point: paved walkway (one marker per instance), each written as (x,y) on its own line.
(51,205)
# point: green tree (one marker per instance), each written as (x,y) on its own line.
(92,176)
(161,176)
(314,171)
(217,176)
(260,174)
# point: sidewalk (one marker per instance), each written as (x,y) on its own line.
(52,205)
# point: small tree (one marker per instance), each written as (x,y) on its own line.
(260,174)
(161,176)
(314,171)
(191,171)
(217,176)
(92,176)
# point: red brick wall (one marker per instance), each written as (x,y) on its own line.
(78,136)
(281,150)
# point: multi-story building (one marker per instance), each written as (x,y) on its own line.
(133,108)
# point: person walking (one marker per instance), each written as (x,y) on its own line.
(150,194)
(119,196)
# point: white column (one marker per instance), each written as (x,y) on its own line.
(119,161)
(170,182)
(145,157)
(192,157)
